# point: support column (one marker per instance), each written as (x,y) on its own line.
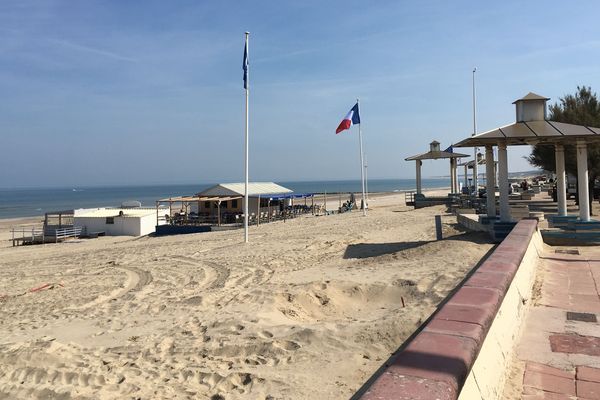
(456,175)
(475,173)
(490,181)
(582,181)
(452,175)
(418,162)
(561,179)
(503,183)
(466,176)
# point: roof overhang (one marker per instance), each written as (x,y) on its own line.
(471,163)
(435,155)
(191,199)
(533,132)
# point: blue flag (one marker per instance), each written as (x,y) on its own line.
(245,65)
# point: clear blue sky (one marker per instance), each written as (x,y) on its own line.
(124,92)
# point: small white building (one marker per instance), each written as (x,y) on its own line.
(117,221)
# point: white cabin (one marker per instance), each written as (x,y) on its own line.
(117,221)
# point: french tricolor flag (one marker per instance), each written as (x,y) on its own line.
(352,118)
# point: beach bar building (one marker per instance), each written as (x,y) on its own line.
(435,153)
(116,221)
(222,206)
(532,127)
(260,194)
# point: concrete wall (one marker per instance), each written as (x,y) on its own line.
(123,226)
(462,351)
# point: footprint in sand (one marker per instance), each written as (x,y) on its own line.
(287,345)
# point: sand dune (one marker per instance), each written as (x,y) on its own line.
(309,309)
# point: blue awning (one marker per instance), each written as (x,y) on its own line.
(291,196)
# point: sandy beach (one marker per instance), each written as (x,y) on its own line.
(308,310)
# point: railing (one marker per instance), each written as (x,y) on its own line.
(37,235)
(409,198)
(64,233)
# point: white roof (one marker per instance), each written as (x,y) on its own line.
(237,189)
(114,212)
(533,132)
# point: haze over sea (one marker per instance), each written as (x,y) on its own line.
(30,202)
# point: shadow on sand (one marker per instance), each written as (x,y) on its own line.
(367,250)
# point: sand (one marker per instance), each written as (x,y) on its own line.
(309,309)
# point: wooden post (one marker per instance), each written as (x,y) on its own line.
(438,227)
(157,204)
(312,203)
(269,208)
(325,201)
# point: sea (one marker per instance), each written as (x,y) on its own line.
(30,202)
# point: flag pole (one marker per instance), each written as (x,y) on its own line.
(246,150)
(367,180)
(475,166)
(362,168)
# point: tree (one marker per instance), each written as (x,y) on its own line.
(582,108)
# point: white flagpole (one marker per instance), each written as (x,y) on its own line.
(367,180)
(475,166)
(246,148)
(362,168)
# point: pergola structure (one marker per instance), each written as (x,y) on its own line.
(186,200)
(435,153)
(532,127)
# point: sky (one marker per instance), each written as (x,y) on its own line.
(132,92)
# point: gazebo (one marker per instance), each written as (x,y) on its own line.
(470,165)
(532,127)
(435,153)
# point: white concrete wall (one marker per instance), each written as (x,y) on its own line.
(123,226)
(148,225)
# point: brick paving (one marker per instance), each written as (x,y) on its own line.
(560,347)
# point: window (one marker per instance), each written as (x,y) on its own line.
(110,220)
(207,204)
(224,204)
(234,204)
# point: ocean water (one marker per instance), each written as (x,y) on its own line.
(33,202)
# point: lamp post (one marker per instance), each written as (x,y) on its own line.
(475,172)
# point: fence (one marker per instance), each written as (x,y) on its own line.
(36,235)
(64,233)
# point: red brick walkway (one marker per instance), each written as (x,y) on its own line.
(560,344)
(544,382)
